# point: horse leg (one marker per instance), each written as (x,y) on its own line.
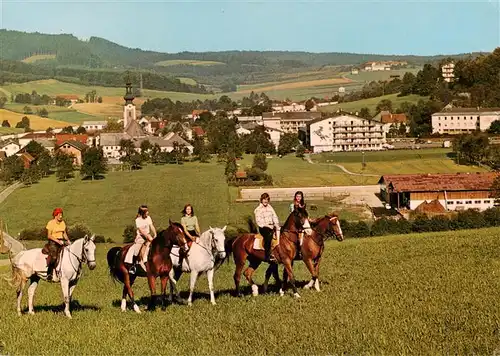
(19,293)
(316,267)
(174,276)
(289,271)
(192,283)
(254,264)
(210,277)
(127,289)
(164,281)
(152,290)
(65,291)
(240,263)
(285,281)
(269,272)
(309,264)
(31,293)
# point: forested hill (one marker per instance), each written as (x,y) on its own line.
(66,49)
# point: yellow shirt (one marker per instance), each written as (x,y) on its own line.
(56,228)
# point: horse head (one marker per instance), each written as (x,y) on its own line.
(334,224)
(88,251)
(301,219)
(218,241)
(177,235)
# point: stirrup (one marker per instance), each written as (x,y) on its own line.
(132,270)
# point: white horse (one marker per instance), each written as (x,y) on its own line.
(31,265)
(201,258)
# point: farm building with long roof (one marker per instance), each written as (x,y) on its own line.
(455,191)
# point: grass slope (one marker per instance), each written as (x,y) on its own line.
(36,122)
(372,103)
(39,57)
(413,294)
(58,113)
(188,62)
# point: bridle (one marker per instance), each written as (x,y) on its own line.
(81,260)
(213,245)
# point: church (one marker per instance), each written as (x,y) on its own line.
(132,130)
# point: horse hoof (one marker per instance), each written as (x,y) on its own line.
(282,293)
(30,313)
(255,290)
(69,316)
(136,309)
(214,303)
(19,313)
(296,295)
(307,286)
(190,304)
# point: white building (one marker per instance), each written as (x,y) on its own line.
(287,122)
(94,125)
(345,132)
(10,147)
(448,72)
(463,120)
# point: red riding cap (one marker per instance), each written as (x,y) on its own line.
(56,212)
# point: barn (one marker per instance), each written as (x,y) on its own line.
(456,191)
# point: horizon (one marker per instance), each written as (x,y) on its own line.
(276,26)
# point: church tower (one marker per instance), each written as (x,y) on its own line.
(129,114)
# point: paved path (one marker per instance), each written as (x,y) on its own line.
(308,158)
(9,241)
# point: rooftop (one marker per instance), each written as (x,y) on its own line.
(435,182)
(76,144)
(446,111)
(292,115)
(393,118)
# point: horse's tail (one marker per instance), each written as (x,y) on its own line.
(18,278)
(113,258)
(251,225)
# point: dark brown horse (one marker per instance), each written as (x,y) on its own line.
(312,248)
(158,264)
(285,252)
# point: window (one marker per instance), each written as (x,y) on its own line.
(486,201)
(468,202)
(459,202)
(450,202)
(477,202)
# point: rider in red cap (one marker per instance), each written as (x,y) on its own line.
(56,235)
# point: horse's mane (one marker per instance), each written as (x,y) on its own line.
(165,235)
(293,216)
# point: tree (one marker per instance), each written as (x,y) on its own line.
(300,151)
(3,101)
(27,110)
(43,112)
(68,130)
(231,168)
(146,147)
(288,142)
(200,149)
(12,169)
(309,104)
(94,163)
(365,113)
(494,127)
(384,105)
(113,126)
(81,130)
(24,123)
(30,175)
(258,141)
(5,123)
(259,161)
(64,165)
(99,100)
(34,148)
(155,153)
(471,149)
(44,162)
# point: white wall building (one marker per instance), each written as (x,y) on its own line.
(463,120)
(345,132)
(10,148)
(448,72)
(94,125)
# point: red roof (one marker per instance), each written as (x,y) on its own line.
(393,119)
(198,131)
(439,182)
(33,135)
(241,174)
(198,112)
(60,138)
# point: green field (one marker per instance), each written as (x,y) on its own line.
(39,57)
(9,130)
(372,103)
(189,62)
(16,107)
(55,112)
(368,76)
(189,81)
(414,294)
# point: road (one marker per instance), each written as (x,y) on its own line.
(9,241)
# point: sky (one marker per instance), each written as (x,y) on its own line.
(381,27)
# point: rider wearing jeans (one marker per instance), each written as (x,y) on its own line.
(267,221)
(56,235)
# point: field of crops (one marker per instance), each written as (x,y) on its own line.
(414,294)
(372,103)
(368,76)
(39,57)
(36,122)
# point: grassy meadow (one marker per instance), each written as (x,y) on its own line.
(58,113)
(414,294)
(39,57)
(189,62)
(36,122)
(372,103)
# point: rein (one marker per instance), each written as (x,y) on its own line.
(81,260)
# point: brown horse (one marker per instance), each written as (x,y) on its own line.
(285,252)
(158,264)
(312,249)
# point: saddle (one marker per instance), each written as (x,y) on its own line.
(258,243)
(46,251)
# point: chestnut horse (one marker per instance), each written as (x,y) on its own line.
(312,249)
(158,264)
(284,253)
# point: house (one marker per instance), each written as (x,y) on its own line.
(110,143)
(389,120)
(195,115)
(94,125)
(68,97)
(287,122)
(74,148)
(462,120)
(32,136)
(84,139)
(344,132)
(27,159)
(455,191)
(448,72)
(151,124)
(198,131)
(49,145)
(289,107)
(10,147)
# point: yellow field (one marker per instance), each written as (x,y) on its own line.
(188,81)
(38,57)
(111,106)
(295,85)
(190,62)
(36,122)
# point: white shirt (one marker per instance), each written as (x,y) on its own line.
(144,225)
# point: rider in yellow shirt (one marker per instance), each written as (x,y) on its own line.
(57,236)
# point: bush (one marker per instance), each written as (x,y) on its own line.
(440,223)
(492,216)
(468,219)
(129,234)
(109,241)
(359,229)
(78,231)
(99,239)
(421,224)
(259,161)
(33,234)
